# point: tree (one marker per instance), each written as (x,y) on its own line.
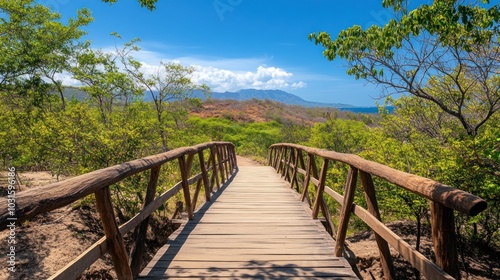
(447,53)
(149,4)
(35,44)
(169,85)
(103,80)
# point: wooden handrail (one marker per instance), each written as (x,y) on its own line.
(444,200)
(221,163)
(450,197)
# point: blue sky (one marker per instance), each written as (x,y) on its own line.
(237,44)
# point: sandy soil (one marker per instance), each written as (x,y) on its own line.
(244,161)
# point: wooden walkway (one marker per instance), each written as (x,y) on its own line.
(255,228)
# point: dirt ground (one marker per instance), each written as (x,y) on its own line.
(48,242)
(476,262)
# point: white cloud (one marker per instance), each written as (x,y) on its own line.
(261,78)
(226,74)
(67,79)
(220,74)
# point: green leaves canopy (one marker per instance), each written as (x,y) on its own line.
(447,53)
(149,4)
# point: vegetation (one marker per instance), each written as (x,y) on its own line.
(447,129)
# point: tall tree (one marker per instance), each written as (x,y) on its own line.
(34,44)
(103,80)
(447,53)
(150,4)
(169,84)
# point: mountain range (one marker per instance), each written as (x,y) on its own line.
(248,94)
(274,95)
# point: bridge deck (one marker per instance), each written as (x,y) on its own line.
(255,228)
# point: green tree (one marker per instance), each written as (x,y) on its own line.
(35,44)
(103,80)
(149,4)
(447,53)
(169,85)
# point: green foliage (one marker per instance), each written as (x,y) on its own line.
(446,53)
(35,44)
(149,4)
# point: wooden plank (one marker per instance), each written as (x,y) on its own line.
(256,224)
(251,264)
(257,273)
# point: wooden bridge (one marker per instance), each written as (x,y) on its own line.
(257,222)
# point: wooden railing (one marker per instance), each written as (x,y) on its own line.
(220,165)
(294,160)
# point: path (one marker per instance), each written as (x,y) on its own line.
(254,228)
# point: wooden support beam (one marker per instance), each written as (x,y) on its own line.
(307,178)
(185,186)
(345,213)
(291,158)
(294,179)
(194,200)
(281,158)
(277,154)
(113,235)
(443,238)
(227,166)
(140,231)
(204,175)
(213,155)
(320,190)
(221,165)
(371,201)
(189,164)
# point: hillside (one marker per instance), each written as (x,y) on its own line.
(273,95)
(266,110)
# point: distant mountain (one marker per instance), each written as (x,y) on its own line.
(76,93)
(274,95)
(248,94)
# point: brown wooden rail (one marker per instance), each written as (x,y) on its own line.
(291,160)
(221,164)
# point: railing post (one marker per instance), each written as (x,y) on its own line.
(227,165)
(277,154)
(443,238)
(307,178)
(321,189)
(303,166)
(235,163)
(371,201)
(221,165)
(213,154)
(140,234)
(204,176)
(346,211)
(185,186)
(113,236)
(281,159)
(288,159)
(270,156)
(294,172)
